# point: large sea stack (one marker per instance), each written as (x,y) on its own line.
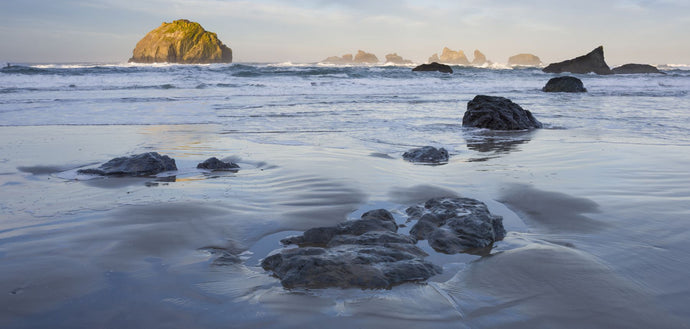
(182,42)
(592,62)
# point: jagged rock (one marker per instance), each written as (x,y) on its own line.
(433,59)
(181,41)
(426,154)
(396,59)
(524,60)
(564,84)
(479,58)
(345,59)
(453,57)
(433,67)
(365,253)
(497,113)
(636,69)
(363,57)
(215,164)
(144,164)
(453,225)
(592,62)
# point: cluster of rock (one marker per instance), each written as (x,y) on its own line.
(369,253)
(148,164)
(427,154)
(594,62)
(363,57)
(183,42)
(498,113)
(394,58)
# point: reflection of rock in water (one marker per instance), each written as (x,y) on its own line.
(499,142)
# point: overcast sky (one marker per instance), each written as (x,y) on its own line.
(640,31)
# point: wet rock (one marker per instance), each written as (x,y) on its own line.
(453,225)
(443,68)
(592,62)
(498,113)
(564,84)
(426,154)
(144,164)
(215,164)
(636,69)
(365,253)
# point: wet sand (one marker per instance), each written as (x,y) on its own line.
(597,232)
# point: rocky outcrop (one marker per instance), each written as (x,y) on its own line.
(592,62)
(183,42)
(365,253)
(426,154)
(434,59)
(636,69)
(144,164)
(524,60)
(564,85)
(454,225)
(498,113)
(479,58)
(449,56)
(363,57)
(394,58)
(433,67)
(217,165)
(345,59)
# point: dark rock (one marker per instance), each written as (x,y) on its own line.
(365,253)
(426,154)
(636,69)
(564,85)
(498,113)
(592,62)
(453,225)
(215,164)
(144,164)
(433,67)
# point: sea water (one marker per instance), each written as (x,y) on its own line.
(596,203)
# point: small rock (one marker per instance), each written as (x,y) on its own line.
(215,164)
(144,164)
(443,68)
(564,84)
(426,154)
(636,69)
(498,113)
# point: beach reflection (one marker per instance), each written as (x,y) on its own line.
(496,143)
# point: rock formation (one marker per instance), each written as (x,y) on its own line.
(479,58)
(427,154)
(449,56)
(497,113)
(394,58)
(636,69)
(345,59)
(564,84)
(434,59)
(363,57)
(454,225)
(524,60)
(592,62)
(144,164)
(183,42)
(217,165)
(365,253)
(433,67)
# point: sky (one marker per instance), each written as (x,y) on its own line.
(303,31)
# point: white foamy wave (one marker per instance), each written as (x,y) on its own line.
(684,67)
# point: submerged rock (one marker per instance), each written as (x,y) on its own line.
(144,164)
(636,69)
(592,62)
(498,113)
(433,67)
(524,60)
(215,164)
(453,225)
(426,154)
(365,253)
(564,84)
(181,41)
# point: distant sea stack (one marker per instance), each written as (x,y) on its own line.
(394,58)
(636,69)
(449,56)
(592,62)
(182,42)
(479,58)
(362,57)
(524,60)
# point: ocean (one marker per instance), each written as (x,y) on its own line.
(596,203)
